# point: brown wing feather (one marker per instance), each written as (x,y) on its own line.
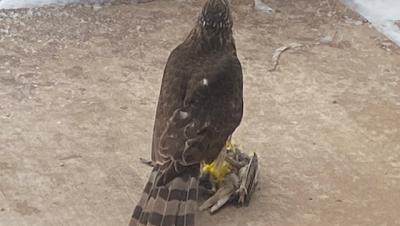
(172,94)
(211,110)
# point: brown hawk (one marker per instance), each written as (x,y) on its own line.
(199,107)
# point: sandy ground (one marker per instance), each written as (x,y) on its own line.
(78,88)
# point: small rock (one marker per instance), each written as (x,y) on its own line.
(326,40)
(353,22)
(96,7)
(323,197)
(397,23)
(29,13)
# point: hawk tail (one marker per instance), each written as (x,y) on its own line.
(172,204)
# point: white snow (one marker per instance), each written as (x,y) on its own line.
(15,4)
(259,5)
(381,13)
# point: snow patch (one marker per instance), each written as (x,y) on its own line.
(384,15)
(261,6)
(15,4)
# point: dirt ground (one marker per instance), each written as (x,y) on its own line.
(78,88)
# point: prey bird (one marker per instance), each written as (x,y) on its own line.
(199,107)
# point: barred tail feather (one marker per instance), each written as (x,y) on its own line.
(173,204)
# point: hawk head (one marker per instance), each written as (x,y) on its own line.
(213,29)
(216,16)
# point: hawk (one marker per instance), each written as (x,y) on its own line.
(199,107)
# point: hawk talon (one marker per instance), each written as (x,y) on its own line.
(242,179)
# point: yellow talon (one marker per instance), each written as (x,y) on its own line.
(219,171)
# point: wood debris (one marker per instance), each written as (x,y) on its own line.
(278,52)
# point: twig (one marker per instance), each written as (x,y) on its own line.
(278,52)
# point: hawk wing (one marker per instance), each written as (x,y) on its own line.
(206,111)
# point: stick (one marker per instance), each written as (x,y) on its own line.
(278,52)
